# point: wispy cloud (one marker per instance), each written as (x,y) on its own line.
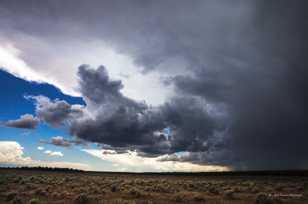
(62,142)
(53,154)
(40,148)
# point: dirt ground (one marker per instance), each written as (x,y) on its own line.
(34,187)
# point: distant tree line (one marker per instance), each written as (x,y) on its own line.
(40,168)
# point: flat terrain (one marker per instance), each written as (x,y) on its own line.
(56,187)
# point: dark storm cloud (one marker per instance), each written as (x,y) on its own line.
(263,90)
(192,125)
(244,103)
(193,128)
(26,121)
(100,90)
(145,30)
(57,112)
(117,120)
(125,124)
(60,141)
(271,112)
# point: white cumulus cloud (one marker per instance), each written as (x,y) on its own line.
(53,154)
(40,148)
(12,153)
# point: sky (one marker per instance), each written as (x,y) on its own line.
(154,85)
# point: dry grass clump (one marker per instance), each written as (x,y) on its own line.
(179,199)
(114,188)
(34,201)
(213,191)
(56,195)
(16,200)
(255,190)
(81,199)
(135,193)
(40,192)
(30,186)
(229,194)
(10,196)
(263,198)
(279,187)
(2,180)
(199,198)
(22,182)
(188,197)
(122,201)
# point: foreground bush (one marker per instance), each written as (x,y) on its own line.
(81,199)
(34,201)
(265,199)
